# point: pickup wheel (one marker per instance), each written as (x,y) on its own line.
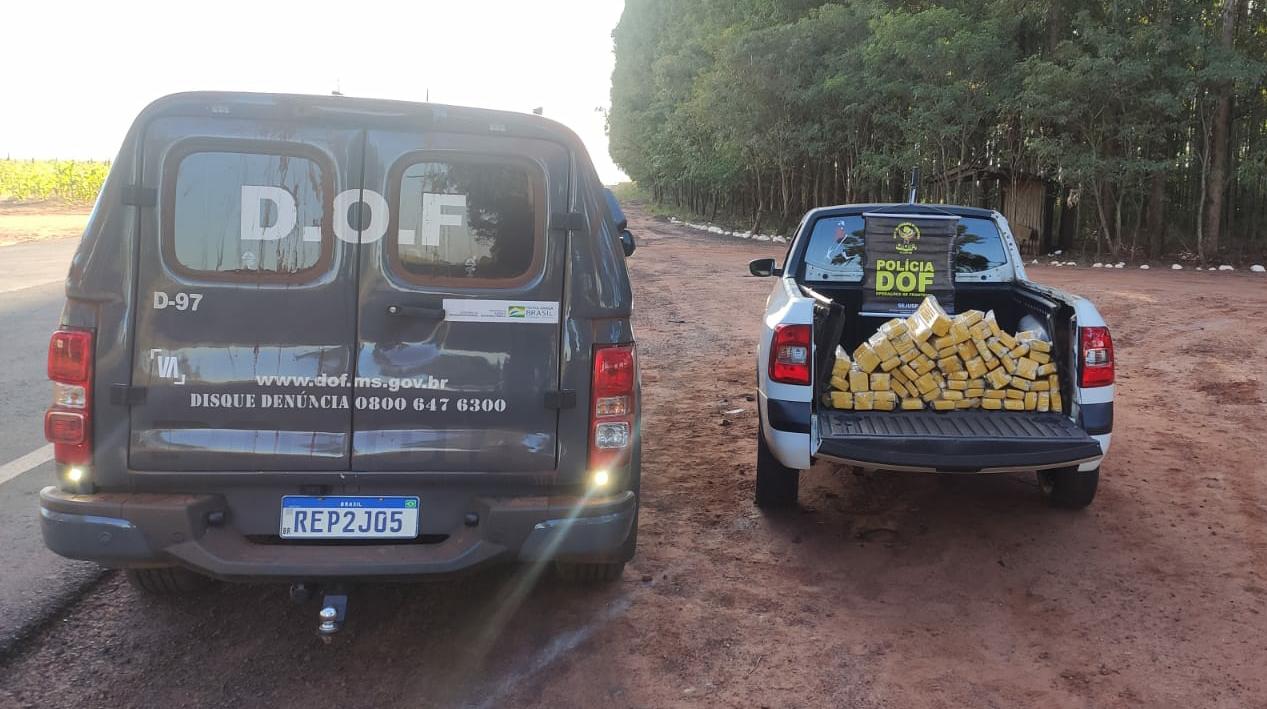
(1069,487)
(777,484)
(166,581)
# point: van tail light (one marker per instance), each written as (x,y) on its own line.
(613,409)
(1097,356)
(68,422)
(789,354)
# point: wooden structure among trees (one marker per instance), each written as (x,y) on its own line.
(1025,199)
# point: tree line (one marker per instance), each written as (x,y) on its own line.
(1139,125)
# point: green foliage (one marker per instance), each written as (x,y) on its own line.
(761,109)
(70,180)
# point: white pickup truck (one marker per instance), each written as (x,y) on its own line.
(817,304)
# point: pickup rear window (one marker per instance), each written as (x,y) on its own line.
(836,248)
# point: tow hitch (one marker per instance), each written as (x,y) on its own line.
(334,607)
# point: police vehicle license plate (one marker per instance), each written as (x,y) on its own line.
(305,517)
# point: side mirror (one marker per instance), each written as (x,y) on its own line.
(764,267)
(627,241)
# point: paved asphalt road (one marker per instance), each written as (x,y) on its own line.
(34,583)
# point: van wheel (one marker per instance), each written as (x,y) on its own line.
(166,581)
(590,573)
(777,484)
(1069,487)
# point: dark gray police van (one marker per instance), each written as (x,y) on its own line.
(311,339)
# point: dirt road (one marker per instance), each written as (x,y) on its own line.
(882,590)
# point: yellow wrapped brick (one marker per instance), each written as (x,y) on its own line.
(927,384)
(998,394)
(900,388)
(858,380)
(882,347)
(1055,382)
(981,331)
(866,358)
(959,333)
(958,376)
(912,405)
(1026,367)
(1031,401)
(974,392)
(840,383)
(1015,394)
(1009,364)
(968,318)
(913,329)
(924,365)
(885,401)
(945,352)
(1040,357)
(976,367)
(957,384)
(1044,401)
(1026,336)
(903,343)
(880,382)
(931,396)
(1012,405)
(992,404)
(1046,369)
(950,364)
(889,365)
(1041,385)
(943,405)
(993,324)
(909,356)
(978,383)
(1040,345)
(967,350)
(841,400)
(841,368)
(863,401)
(1007,340)
(893,328)
(942,343)
(1018,383)
(968,404)
(997,347)
(998,378)
(1019,351)
(907,372)
(928,350)
(930,317)
(1057,404)
(952,395)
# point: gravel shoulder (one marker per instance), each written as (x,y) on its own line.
(881,590)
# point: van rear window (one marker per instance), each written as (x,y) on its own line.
(247,216)
(475,222)
(836,248)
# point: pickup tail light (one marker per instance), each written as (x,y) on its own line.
(613,410)
(1096,356)
(68,422)
(790,354)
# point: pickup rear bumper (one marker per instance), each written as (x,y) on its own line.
(135,530)
(955,442)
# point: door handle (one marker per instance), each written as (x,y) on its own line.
(416,311)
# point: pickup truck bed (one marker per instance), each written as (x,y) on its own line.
(954,441)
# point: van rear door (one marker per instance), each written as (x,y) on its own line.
(245,305)
(457,365)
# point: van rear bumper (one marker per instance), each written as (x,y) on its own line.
(136,530)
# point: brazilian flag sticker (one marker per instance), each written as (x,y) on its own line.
(517,311)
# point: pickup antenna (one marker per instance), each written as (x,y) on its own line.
(914,185)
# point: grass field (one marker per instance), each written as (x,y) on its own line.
(68,180)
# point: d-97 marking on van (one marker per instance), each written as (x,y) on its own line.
(330,253)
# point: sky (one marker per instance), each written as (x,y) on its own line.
(77,72)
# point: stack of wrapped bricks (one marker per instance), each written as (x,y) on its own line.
(930,360)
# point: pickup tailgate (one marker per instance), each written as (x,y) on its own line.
(954,441)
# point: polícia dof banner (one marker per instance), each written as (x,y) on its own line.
(908,257)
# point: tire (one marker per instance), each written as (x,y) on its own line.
(166,581)
(590,573)
(777,485)
(1069,487)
